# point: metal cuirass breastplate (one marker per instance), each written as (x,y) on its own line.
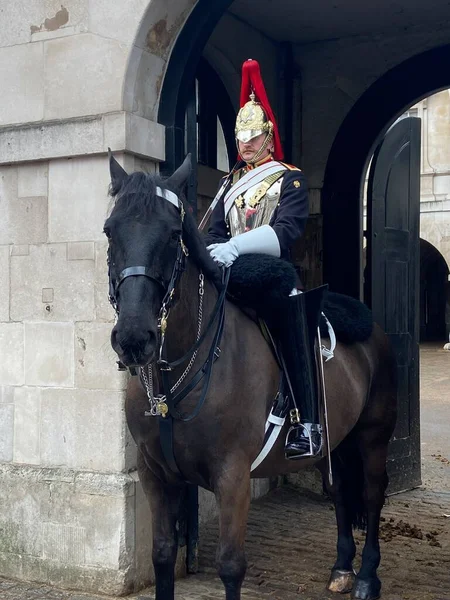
(255,206)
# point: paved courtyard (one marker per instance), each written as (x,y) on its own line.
(415,532)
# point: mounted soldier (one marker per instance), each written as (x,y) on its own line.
(189,426)
(262,207)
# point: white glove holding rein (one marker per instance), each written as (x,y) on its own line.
(262,240)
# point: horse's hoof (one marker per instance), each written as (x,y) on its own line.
(341,581)
(366,589)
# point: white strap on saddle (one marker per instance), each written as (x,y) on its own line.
(277,425)
(328,353)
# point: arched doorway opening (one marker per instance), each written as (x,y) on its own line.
(434,294)
(433,112)
(356,138)
(359,134)
(176,92)
(425,278)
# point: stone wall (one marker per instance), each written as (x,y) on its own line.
(71,513)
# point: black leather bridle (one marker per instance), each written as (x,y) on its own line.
(204,373)
(150,273)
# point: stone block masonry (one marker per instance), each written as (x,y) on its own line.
(72,515)
(74,529)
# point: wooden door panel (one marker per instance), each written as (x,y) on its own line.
(393,251)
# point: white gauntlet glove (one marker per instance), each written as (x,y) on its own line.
(262,240)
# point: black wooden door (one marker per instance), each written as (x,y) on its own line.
(393,260)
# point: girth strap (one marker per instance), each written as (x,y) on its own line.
(166,439)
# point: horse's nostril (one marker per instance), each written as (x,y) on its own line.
(136,340)
(114,339)
(151,340)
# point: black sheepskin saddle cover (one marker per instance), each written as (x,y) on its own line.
(261,282)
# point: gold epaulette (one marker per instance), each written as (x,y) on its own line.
(289,167)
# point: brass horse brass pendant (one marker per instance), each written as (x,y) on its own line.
(162,409)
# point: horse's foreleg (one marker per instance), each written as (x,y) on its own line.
(367,584)
(342,574)
(233,498)
(165,503)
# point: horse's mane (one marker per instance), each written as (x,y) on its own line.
(135,197)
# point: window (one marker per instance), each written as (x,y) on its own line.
(210,118)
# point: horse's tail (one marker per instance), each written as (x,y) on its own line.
(347,466)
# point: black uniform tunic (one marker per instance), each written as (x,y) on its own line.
(289,217)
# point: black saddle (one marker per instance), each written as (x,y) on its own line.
(260,282)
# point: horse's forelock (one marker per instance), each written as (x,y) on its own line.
(137,196)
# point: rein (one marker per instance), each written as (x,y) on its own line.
(166,403)
(164,406)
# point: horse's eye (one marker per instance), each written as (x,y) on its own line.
(107,232)
(175,236)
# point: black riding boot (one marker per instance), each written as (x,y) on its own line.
(297,325)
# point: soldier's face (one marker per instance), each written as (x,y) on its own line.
(247,150)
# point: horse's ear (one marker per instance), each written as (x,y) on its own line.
(117,172)
(181,175)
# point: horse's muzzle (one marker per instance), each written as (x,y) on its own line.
(134,348)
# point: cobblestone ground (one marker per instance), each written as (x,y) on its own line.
(415,541)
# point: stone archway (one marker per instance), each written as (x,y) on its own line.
(165,33)
(353,146)
(154,40)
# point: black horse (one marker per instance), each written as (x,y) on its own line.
(147,232)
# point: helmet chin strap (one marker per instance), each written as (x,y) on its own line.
(256,157)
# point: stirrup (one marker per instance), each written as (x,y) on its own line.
(304,440)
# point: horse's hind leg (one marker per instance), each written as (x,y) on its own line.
(342,574)
(165,503)
(233,497)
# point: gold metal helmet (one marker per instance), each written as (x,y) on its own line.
(252,121)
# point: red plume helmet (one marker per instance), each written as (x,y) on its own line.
(253,102)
